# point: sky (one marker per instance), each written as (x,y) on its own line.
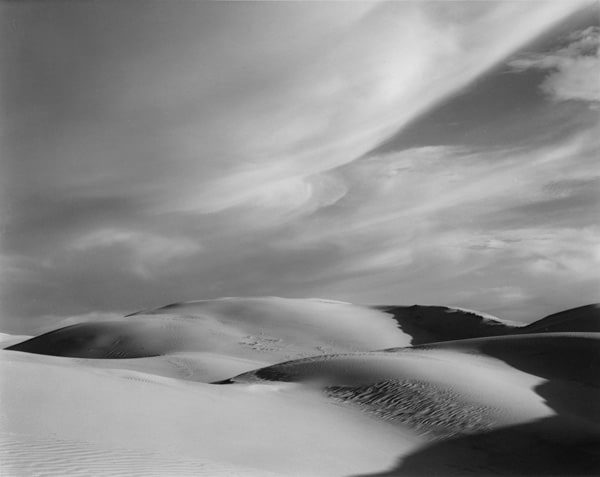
(379,153)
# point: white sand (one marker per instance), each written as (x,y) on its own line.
(504,393)
(215,339)
(72,416)
(346,410)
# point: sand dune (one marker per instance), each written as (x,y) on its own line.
(318,388)
(7,340)
(583,318)
(539,392)
(215,339)
(429,324)
(437,391)
(248,328)
(26,455)
(265,330)
(110,421)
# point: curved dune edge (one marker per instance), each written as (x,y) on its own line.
(252,328)
(525,397)
(431,324)
(211,340)
(8,340)
(456,387)
(104,414)
(474,405)
(583,318)
(267,329)
(208,340)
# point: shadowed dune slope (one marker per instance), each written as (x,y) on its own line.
(570,362)
(545,447)
(566,356)
(429,324)
(583,318)
(107,339)
(564,443)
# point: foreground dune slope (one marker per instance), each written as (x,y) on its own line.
(62,419)
(564,443)
(541,392)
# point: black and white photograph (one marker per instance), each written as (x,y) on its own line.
(299,238)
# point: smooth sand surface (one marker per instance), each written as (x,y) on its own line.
(215,339)
(270,329)
(72,416)
(510,405)
(306,388)
(482,392)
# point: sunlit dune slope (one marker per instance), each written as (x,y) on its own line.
(457,387)
(62,418)
(251,328)
(209,340)
(254,328)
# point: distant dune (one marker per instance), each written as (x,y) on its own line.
(429,324)
(272,386)
(213,339)
(285,328)
(584,318)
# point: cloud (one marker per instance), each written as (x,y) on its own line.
(575,68)
(465,222)
(389,67)
(147,250)
(223,149)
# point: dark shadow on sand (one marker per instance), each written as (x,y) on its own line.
(551,446)
(563,445)
(434,324)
